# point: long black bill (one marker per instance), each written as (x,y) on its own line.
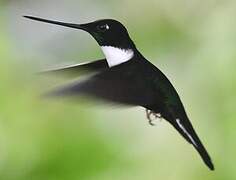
(76,26)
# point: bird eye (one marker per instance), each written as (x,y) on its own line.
(103,27)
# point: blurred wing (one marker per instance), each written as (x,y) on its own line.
(110,85)
(79,69)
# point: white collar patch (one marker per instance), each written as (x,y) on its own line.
(116,56)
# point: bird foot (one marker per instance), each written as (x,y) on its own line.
(151,116)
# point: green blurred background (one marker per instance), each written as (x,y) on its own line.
(192,42)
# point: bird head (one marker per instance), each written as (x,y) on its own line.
(111,35)
(107,32)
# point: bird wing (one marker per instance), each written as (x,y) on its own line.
(115,84)
(78,69)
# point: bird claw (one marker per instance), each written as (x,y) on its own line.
(151,114)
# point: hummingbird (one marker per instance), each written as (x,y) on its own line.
(126,77)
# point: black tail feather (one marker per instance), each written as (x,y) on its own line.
(184,127)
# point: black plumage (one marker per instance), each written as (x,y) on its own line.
(78,69)
(134,82)
(149,88)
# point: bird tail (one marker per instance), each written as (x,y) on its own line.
(185,128)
